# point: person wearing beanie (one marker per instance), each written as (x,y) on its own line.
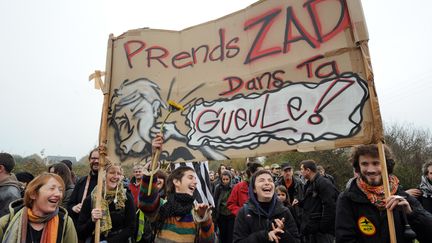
(264,218)
(68,163)
(223,216)
(25,178)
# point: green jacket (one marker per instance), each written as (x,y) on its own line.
(68,233)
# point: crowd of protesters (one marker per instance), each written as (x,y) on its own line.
(261,204)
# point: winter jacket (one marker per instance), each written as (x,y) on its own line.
(319,206)
(358,220)
(67,195)
(252,226)
(187,229)
(10,190)
(238,197)
(134,189)
(77,194)
(426,202)
(297,194)
(123,221)
(298,188)
(222,193)
(66,232)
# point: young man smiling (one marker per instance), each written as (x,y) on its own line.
(361,214)
(177,219)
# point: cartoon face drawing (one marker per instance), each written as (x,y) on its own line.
(134,109)
(135,106)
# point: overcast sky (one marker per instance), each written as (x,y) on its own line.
(48,48)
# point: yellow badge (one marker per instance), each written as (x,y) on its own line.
(366,226)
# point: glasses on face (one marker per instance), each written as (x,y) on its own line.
(94,158)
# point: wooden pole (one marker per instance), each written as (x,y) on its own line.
(155,160)
(103,132)
(385,179)
(378,134)
(361,38)
(102,142)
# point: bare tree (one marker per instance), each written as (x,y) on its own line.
(411,146)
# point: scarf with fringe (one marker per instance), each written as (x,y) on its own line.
(117,196)
(375,194)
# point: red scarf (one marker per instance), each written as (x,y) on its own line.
(288,183)
(375,194)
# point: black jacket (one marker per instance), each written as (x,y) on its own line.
(77,194)
(354,211)
(252,226)
(295,193)
(319,206)
(123,221)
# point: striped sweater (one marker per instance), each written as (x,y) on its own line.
(175,229)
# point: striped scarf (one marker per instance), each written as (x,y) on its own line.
(49,233)
(177,205)
(375,194)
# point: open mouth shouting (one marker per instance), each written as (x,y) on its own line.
(264,187)
(191,188)
(54,201)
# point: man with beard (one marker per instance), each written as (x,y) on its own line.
(84,186)
(361,214)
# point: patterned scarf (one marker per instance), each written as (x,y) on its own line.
(375,194)
(49,233)
(117,196)
(177,205)
(426,187)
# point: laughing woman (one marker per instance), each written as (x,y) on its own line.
(38,218)
(117,212)
(263,218)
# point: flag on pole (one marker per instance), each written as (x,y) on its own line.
(202,193)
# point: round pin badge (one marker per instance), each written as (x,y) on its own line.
(366,226)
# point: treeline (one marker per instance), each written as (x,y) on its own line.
(412,147)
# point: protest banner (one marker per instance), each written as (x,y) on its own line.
(275,76)
(279,75)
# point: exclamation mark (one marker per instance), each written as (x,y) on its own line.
(327,98)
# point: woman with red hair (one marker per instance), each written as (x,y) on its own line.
(38,218)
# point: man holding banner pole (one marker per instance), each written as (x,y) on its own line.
(362,209)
